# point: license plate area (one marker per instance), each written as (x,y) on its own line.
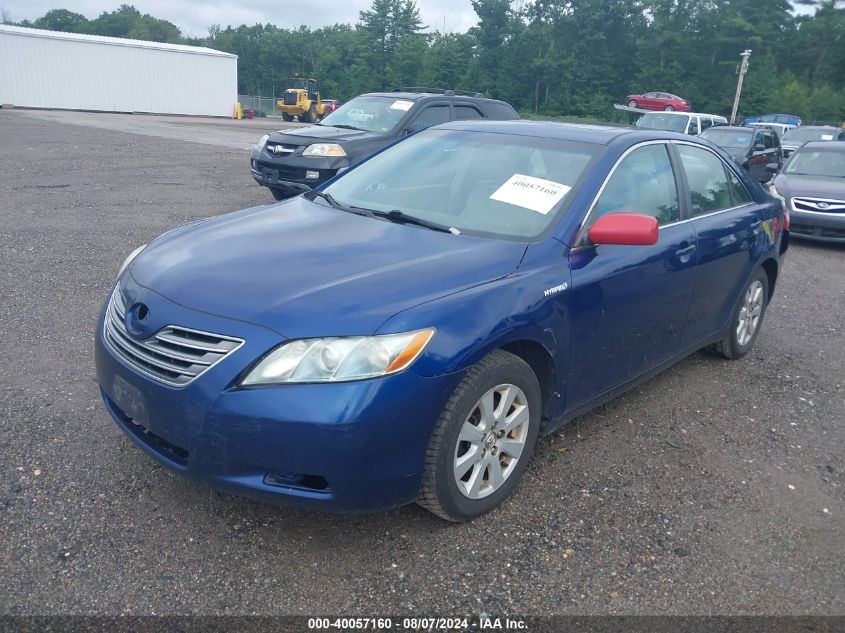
(130,400)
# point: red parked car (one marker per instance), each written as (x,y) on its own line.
(658,101)
(330,105)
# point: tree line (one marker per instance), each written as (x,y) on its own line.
(546,57)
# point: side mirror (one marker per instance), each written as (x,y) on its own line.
(772,168)
(759,147)
(624,228)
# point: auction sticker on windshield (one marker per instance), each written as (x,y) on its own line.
(401,104)
(528,192)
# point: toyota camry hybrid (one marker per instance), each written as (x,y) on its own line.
(406,331)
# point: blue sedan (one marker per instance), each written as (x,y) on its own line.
(406,332)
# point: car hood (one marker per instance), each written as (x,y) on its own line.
(791,185)
(320,133)
(306,270)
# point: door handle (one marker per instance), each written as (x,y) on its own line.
(684,251)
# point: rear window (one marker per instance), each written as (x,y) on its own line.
(662,121)
(738,139)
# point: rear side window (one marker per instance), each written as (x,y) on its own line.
(708,183)
(706,122)
(739,194)
(642,183)
(467,112)
(499,110)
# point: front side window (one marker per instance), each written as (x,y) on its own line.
(643,182)
(707,180)
(480,183)
(432,115)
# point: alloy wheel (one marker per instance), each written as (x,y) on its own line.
(750,313)
(491,441)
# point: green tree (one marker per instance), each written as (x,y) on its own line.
(63,20)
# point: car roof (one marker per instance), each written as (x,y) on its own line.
(675,113)
(414,96)
(821,127)
(581,132)
(730,128)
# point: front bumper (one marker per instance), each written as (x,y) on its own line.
(820,227)
(352,446)
(294,173)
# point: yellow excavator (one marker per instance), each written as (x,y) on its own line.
(302,101)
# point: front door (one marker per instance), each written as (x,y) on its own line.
(629,303)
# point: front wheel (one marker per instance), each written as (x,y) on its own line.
(483,440)
(632,104)
(746,319)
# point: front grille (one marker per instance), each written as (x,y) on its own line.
(278,173)
(174,355)
(819,205)
(281,148)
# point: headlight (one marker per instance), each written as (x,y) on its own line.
(263,140)
(324,149)
(339,359)
(774,192)
(129,259)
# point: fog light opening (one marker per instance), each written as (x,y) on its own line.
(312,175)
(296,480)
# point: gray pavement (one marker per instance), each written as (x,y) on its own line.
(716,487)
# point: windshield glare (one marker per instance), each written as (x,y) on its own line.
(488,184)
(728,138)
(374,114)
(669,122)
(817,163)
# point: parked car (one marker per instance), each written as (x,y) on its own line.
(407,331)
(796,137)
(779,128)
(292,161)
(787,119)
(811,185)
(685,123)
(658,101)
(754,149)
(330,105)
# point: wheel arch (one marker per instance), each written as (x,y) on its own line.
(770,266)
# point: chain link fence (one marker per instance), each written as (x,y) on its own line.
(259,106)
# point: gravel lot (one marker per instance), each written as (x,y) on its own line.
(716,487)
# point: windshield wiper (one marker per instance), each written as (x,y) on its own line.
(337,205)
(343,126)
(400,217)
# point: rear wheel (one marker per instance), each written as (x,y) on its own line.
(632,104)
(484,439)
(669,109)
(310,116)
(747,318)
(287,117)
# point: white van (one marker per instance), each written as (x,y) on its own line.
(693,123)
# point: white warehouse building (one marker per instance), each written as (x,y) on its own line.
(50,69)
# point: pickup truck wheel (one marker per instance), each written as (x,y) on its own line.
(483,440)
(747,318)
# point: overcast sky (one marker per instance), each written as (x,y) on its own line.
(194,17)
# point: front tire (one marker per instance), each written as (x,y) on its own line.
(632,104)
(483,440)
(746,319)
(287,117)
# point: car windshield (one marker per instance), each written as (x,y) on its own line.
(481,183)
(662,121)
(374,114)
(804,134)
(817,162)
(738,139)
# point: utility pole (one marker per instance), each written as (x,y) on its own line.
(743,68)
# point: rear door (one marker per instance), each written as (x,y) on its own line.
(430,114)
(727,226)
(629,303)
